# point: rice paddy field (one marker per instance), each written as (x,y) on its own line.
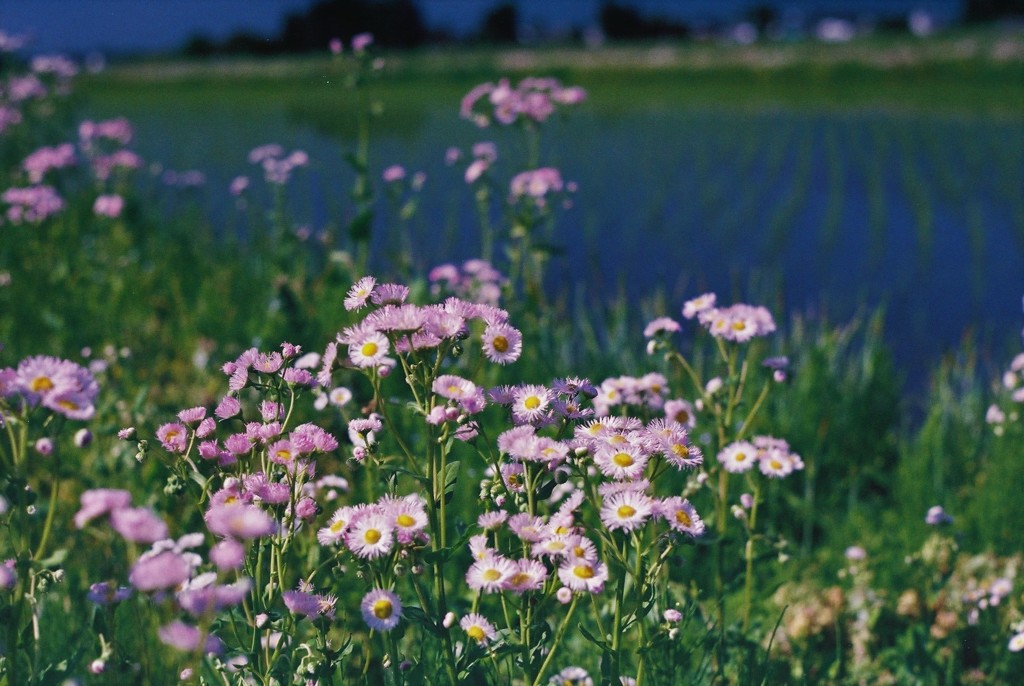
(647,364)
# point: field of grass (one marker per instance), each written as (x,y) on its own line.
(872,541)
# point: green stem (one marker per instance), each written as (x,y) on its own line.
(558,639)
(748,584)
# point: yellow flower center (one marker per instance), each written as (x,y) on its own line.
(337,526)
(284,455)
(532,402)
(500,343)
(623,459)
(404,520)
(68,404)
(739,325)
(382,609)
(583,571)
(371,536)
(740,457)
(775,464)
(491,575)
(683,518)
(519,578)
(476,633)
(679,449)
(369,349)
(625,511)
(41,384)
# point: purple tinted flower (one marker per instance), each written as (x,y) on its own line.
(228,407)
(239,520)
(163,570)
(238,185)
(855,553)
(200,600)
(32,204)
(302,603)
(306,509)
(173,437)
(59,385)
(237,444)
(227,554)
(361,41)
(44,446)
(395,172)
(138,524)
(98,502)
(109,205)
(381,610)
(105,593)
(44,159)
(206,427)
(185,638)
(937,516)
(298,377)
(83,437)
(8,577)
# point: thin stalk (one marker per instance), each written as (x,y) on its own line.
(748,583)
(558,640)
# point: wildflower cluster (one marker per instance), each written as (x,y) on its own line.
(474,280)
(60,386)
(942,598)
(1007,412)
(532,100)
(37,399)
(276,165)
(101,145)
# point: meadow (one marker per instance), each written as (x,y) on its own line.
(375,368)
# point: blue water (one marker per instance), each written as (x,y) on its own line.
(814,212)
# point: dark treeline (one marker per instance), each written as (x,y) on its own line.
(399,23)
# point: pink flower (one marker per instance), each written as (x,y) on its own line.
(227,554)
(108,206)
(395,172)
(173,437)
(138,524)
(162,570)
(381,609)
(361,41)
(502,343)
(239,520)
(100,501)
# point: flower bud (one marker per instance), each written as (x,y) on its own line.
(83,437)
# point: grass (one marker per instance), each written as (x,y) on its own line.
(183,302)
(968,72)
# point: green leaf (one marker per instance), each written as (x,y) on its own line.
(416,615)
(55,559)
(451,475)
(600,643)
(396,469)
